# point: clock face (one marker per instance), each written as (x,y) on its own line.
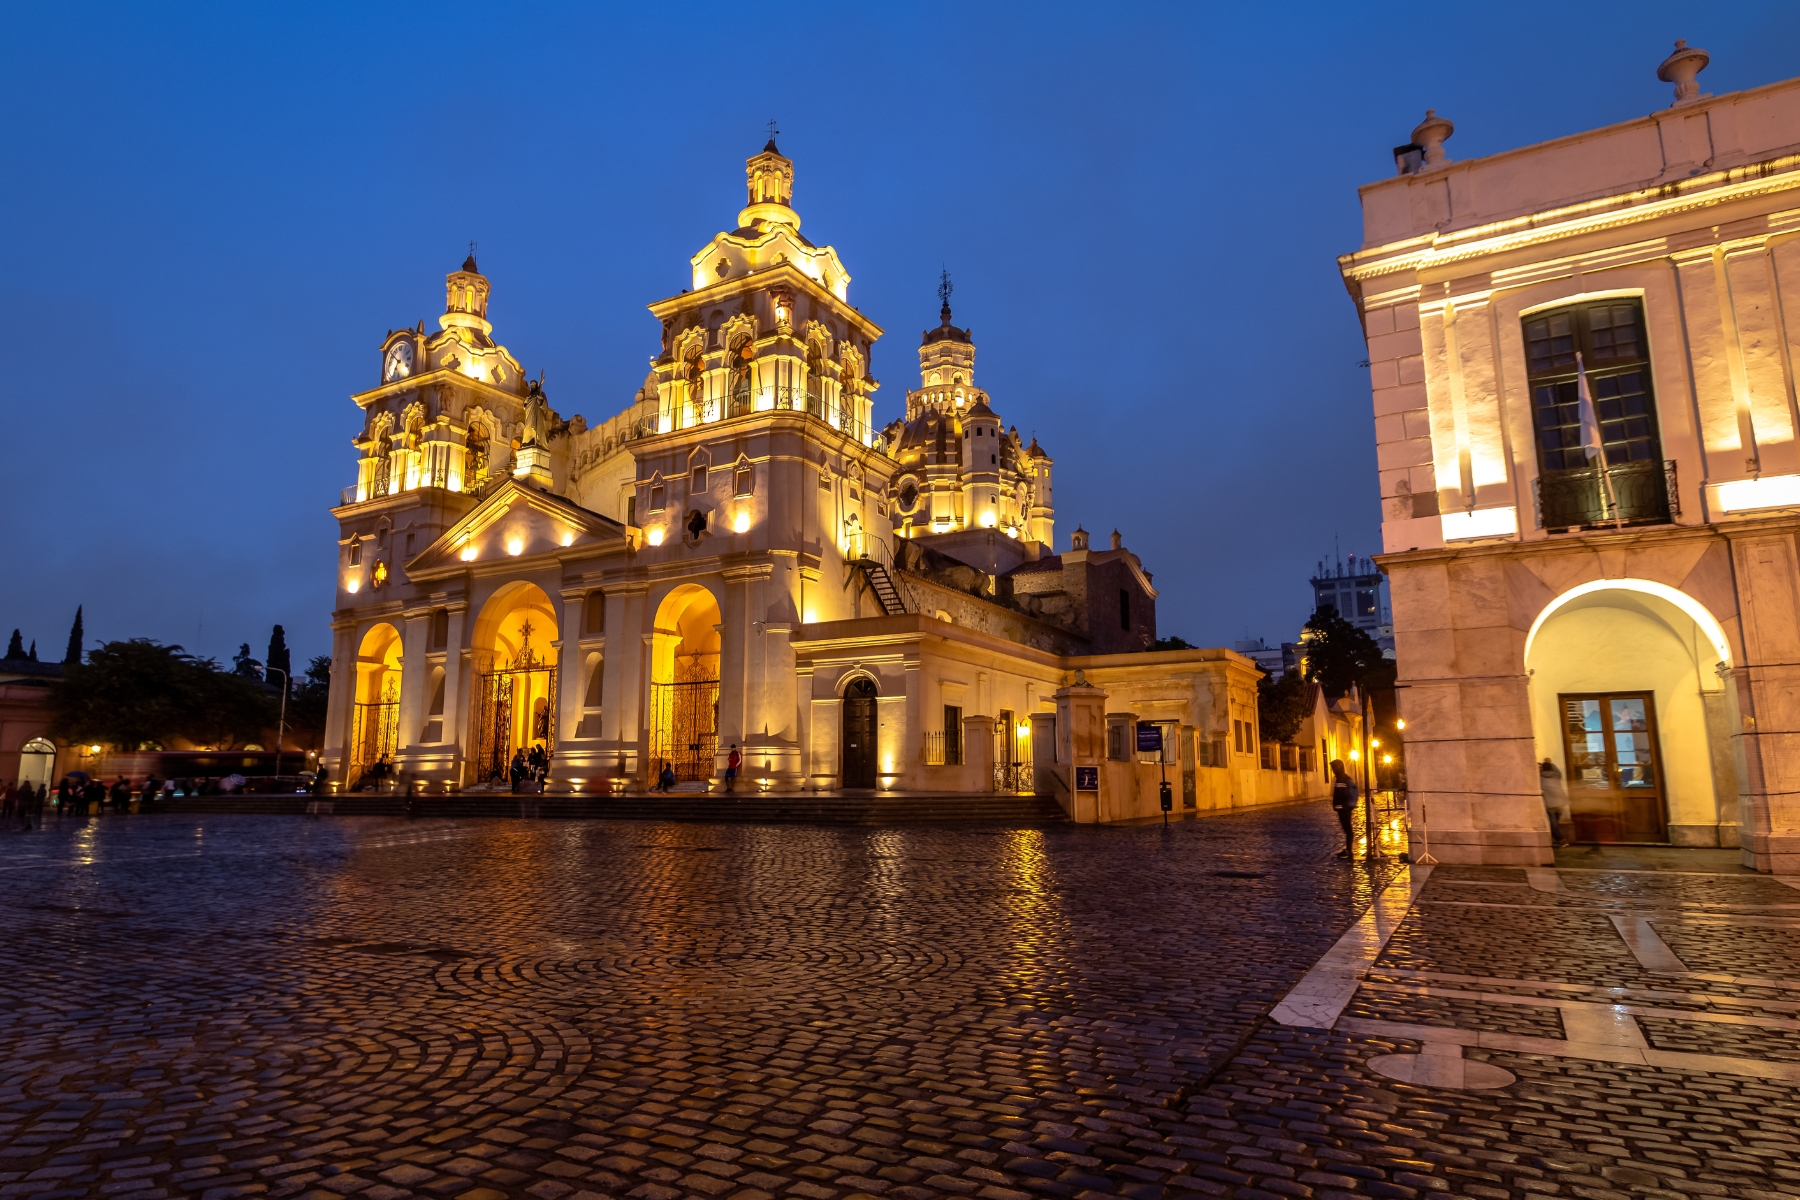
(399,361)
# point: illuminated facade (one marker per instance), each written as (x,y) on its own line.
(738,557)
(1583,365)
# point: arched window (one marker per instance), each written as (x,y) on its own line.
(815,381)
(478,452)
(739,388)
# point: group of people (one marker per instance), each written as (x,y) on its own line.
(24,802)
(529,767)
(734,762)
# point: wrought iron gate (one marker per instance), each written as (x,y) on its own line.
(684,728)
(497,695)
(1012,758)
(374,734)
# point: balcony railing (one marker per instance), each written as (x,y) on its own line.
(1643,493)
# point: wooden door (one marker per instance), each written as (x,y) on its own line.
(1615,767)
(859,734)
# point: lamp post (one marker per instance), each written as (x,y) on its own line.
(281,722)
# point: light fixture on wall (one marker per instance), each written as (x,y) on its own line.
(468,554)
(654,535)
(515,546)
(352,585)
(741,523)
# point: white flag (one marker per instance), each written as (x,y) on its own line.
(1590,426)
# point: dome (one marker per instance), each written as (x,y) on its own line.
(922,432)
(946,332)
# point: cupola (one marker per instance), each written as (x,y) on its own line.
(770,177)
(466,299)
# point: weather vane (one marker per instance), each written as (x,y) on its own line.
(773,132)
(945,287)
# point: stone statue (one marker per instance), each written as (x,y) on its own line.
(536,418)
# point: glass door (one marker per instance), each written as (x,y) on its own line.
(1615,774)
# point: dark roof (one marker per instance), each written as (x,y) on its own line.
(469,264)
(1049,562)
(770,148)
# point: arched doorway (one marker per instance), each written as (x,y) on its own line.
(37,762)
(1630,698)
(859,733)
(375,711)
(515,681)
(684,684)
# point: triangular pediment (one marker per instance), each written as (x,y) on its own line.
(517,523)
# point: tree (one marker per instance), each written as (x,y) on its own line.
(230,708)
(307,704)
(1281,706)
(245,667)
(16,647)
(125,695)
(1339,656)
(32,653)
(277,658)
(1172,642)
(73,653)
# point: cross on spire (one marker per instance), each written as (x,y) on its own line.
(945,287)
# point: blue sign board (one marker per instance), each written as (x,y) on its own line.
(1087,779)
(1149,737)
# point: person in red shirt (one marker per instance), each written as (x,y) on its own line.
(731,767)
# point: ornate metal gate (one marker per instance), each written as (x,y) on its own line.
(684,728)
(374,733)
(499,690)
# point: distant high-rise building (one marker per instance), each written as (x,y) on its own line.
(1357,589)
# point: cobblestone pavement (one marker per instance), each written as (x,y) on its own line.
(231,1006)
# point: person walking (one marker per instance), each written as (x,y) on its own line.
(1556,799)
(1343,802)
(731,767)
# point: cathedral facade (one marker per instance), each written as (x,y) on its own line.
(740,557)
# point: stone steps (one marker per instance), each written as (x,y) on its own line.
(769,807)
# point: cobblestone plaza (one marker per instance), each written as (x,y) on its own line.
(244,1005)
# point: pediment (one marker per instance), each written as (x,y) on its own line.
(517,523)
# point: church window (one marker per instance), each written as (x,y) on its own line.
(593,612)
(596,676)
(356,552)
(993,459)
(631,510)
(478,452)
(656,498)
(440,629)
(697,482)
(746,482)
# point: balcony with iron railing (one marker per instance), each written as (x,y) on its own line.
(1636,493)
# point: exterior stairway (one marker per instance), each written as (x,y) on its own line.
(882,584)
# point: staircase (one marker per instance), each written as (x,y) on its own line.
(882,584)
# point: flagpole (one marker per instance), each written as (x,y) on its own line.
(1594,447)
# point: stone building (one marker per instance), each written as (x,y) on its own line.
(739,557)
(1583,364)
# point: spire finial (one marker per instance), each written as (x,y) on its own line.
(773,134)
(945,287)
(469,263)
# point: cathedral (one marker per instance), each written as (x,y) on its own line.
(743,558)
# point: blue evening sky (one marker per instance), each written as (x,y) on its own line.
(214,213)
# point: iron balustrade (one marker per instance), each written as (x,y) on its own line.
(943,749)
(1644,493)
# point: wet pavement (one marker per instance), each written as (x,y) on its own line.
(233,1006)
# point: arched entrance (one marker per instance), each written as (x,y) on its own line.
(684,684)
(859,733)
(1630,698)
(37,762)
(375,711)
(515,681)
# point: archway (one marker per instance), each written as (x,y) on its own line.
(860,740)
(684,684)
(515,670)
(375,710)
(1630,699)
(37,762)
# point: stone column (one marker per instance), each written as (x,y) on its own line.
(456,686)
(1768,697)
(978,753)
(1190,761)
(415,671)
(1046,778)
(1081,742)
(340,700)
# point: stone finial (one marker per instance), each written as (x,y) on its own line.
(1429,136)
(1118,542)
(1680,69)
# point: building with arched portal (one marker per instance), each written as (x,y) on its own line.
(1583,357)
(741,557)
